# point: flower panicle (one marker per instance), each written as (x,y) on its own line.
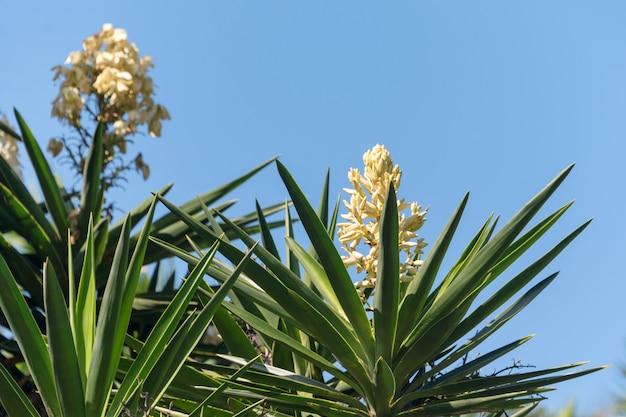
(364,211)
(107,81)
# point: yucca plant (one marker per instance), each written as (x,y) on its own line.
(33,233)
(42,225)
(83,365)
(327,354)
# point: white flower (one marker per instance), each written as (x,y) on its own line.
(120,127)
(109,69)
(365,208)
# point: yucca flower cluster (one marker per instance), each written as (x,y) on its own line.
(106,81)
(365,207)
(9,149)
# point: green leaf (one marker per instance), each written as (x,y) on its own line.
(92,192)
(10,179)
(266,236)
(469,281)
(295,345)
(137,262)
(483,334)
(30,229)
(524,242)
(417,292)
(481,386)
(207,402)
(384,382)
(54,200)
(210,197)
(311,314)
(531,386)
(514,285)
(84,317)
(67,372)
(268,375)
(136,214)
(157,341)
(317,275)
(101,239)
(232,334)
(310,317)
(474,365)
(387,292)
(110,331)
(6,129)
(26,274)
(472,405)
(29,338)
(292,260)
(12,398)
(173,359)
(332,263)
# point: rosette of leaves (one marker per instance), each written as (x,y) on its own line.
(326,355)
(83,365)
(33,233)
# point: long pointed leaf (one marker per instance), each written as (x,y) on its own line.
(12,398)
(387,292)
(54,200)
(67,374)
(29,338)
(156,342)
(91,194)
(210,197)
(158,381)
(332,263)
(420,286)
(463,287)
(484,333)
(109,331)
(84,317)
(316,274)
(10,179)
(33,231)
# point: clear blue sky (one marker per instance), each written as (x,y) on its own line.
(488,96)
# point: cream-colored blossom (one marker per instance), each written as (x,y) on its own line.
(108,81)
(362,221)
(109,69)
(9,150)
(120,127)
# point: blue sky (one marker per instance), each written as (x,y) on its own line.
(487,96)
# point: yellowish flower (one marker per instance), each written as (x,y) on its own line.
(365,206)
(108,81)
(110,70)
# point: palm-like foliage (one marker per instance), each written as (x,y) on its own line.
(331,357)
(76,365)
(41,229)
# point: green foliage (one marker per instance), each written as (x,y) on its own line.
(42,231)
(326,355)
(75,367)
(298,338)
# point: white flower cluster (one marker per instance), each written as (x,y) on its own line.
(110,70)
(365,208)
(8,149)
